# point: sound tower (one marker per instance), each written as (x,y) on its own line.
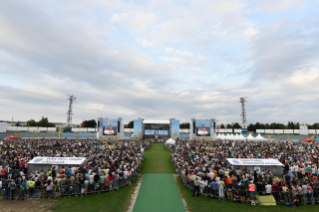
(194,130)
(118,126)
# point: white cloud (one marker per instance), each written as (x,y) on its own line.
(168,50)
(275,6)
(144,42)
(304,77)
(135,20)
(195,63)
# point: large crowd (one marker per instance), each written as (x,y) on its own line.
(203,167)
(109,165)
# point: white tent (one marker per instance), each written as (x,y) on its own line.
(260,138)
(241,137)
(231,137)
(221,136)
(250,137)
(235,137)
(226,137)
(170,141)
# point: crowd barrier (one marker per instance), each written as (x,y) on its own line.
(279,197)
(236,195)
(58,191)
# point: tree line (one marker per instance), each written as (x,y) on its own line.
(43,122)
(274,125)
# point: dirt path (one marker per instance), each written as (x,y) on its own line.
(25,205)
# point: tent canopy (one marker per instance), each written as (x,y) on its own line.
(307,140)
(11,137)
(260,138)
(170,141)
(250,137)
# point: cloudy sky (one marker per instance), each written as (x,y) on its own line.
(160,59)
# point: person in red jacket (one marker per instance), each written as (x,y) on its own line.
(275,190)
(3,173)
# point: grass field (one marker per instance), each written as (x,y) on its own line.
(117,201)
(157,160)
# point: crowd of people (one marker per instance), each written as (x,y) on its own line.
(203,167)
(109,165)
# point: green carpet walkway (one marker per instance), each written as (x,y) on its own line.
(158,192)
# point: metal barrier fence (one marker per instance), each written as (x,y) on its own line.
(76,189)
(237,195)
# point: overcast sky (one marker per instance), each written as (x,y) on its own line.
(160,59)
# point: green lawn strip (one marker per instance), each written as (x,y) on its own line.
(204,204)
(157,160)
(117,201)
(159,193)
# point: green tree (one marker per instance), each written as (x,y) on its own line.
(251,127)
(44,122)
(32,123)
(222,126)
(184,125)
(130,124)
(236,126)
(89,123)
(18,124)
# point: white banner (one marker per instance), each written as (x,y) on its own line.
(3,127)
(59,161)
(254,162)
(312,131)
(279,131)
(269,131)
(288,131)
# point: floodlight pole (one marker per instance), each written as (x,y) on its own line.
(243,114)
(71,99)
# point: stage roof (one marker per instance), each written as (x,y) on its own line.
(156,121)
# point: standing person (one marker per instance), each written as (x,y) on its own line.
(107,182)
(242,191)
(23,186)
(31,188)
(221,186)
(37,189)
(53,173)
(3,173)
(285,191)
(86,185)
(268,189)
(252,189)
(196,187)
(299,192)
(310,193)
(304,189)
(259,187)
(111,181)
(214,186)
(229,186)
(49,188)
(12,186)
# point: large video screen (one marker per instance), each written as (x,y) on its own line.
(109,130)
(203,131)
